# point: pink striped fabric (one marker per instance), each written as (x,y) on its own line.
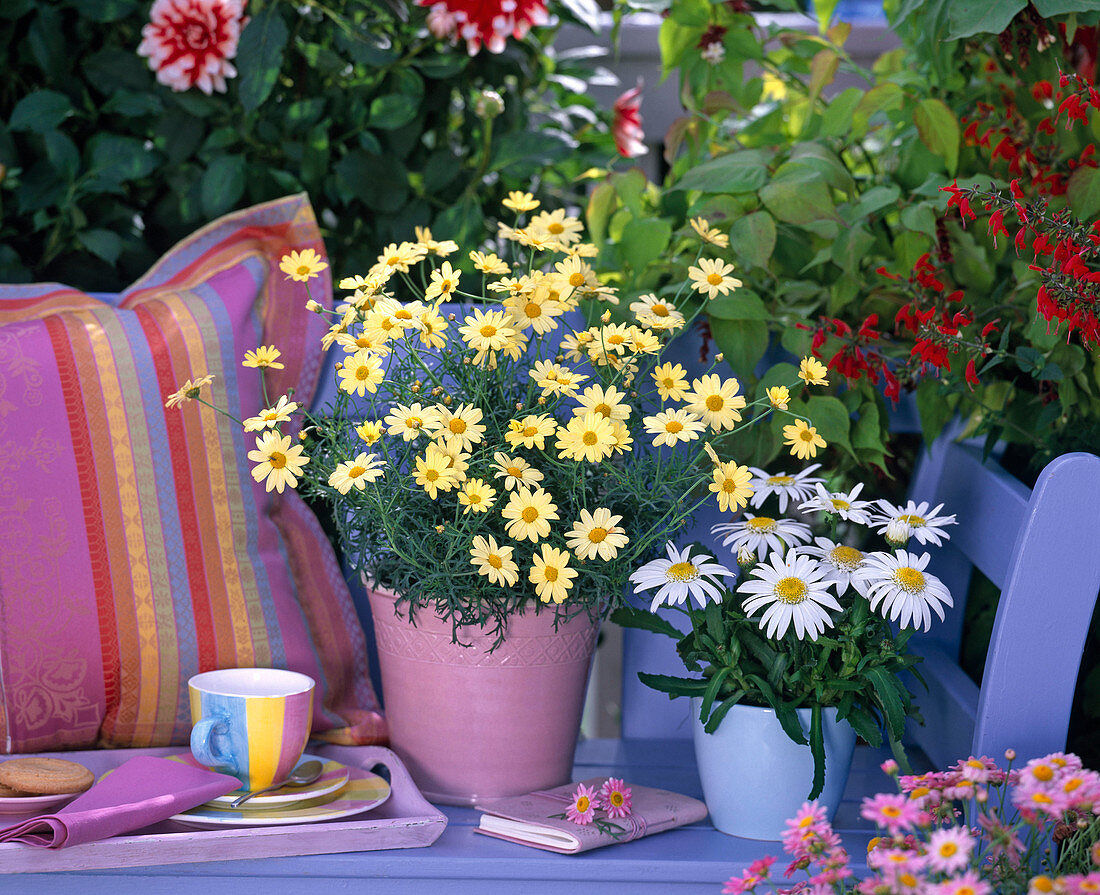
(135,549)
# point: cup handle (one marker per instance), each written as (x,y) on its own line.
(204,735)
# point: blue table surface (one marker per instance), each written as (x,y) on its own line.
(692,859)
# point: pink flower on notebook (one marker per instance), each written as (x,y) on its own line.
(583,807)
(615,798)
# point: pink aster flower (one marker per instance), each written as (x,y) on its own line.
(969,883)
(583,809)
(190,42)
(487,23)
(615,798)
(892,811)
(626,126)
(949,849)
(808,834)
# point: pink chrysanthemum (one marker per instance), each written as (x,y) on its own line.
(949,849)
(626,126)
(615,798)
(746,882)
(808,833)
(190,42)
(487,23)
(892,811)
(583,808)
(969,883)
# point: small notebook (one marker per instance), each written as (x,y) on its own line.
(530,819)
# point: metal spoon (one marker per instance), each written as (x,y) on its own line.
(305,773)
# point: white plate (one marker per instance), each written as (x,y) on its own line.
(364,791)
(33,804)
(333,777)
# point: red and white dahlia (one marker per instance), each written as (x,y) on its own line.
(486,23)
(190,42)
(626,126)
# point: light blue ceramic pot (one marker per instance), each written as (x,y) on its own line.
(755,777)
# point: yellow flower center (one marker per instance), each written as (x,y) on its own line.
(616,339)
(530,431)
(1042,884)
(714,279)
(807,434)
(1042,772)
(457,426)
(909,579)
(1042,798)
(576,279)
(446,286)
(362,372)
(431,475)
(488,330)
(846,557)
(304,269)
(550,573)
(590,438)
(781,480)
(271,415)
(715,403)
(947,849)
(674,426)
(596,535)
(515,472)
(473,497)
(363,342)
(682,571)
(910,881)
(532,309)
(582,804)
(913,521)
(791,590)
(530,514)
(603,409)
(668,382)
(840,504)
(658,310)
(277,460)
(962,890)
(557,228)
(414,422)
(616,798)
(761,524)
(403,314)
(356,471)
(729,485)
(494,560)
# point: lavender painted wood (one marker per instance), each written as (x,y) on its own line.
(405,820)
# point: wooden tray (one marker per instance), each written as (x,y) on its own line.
(404,820)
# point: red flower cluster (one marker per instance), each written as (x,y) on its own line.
(487,23)
(851,354)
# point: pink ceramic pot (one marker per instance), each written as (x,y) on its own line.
(470,724)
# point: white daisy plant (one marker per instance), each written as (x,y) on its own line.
(795,590)
(762,534)
(841,561)
(839,503)
(679,576)
(900,589)
(787,487)
(926,525)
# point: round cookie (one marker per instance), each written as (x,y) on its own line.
(6,792)
(45,776)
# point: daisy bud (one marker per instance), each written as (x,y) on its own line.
(1010,754)
(415,388)
(889,767)
(339,366)
(719,357)
(313,306)
(542,402)
(605,317)
(488,105)
(447,400)
(898,533)
(440,529)
(746,559)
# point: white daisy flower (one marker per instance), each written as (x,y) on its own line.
(839,503)
(761,534)
(924,524)
(799,486)
(841,563)
(679,576)
(795,590)
(905,591)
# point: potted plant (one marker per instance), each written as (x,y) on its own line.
(789,666)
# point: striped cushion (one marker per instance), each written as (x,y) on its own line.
(135,549)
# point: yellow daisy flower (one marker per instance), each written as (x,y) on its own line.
(277,462)
(356,473)
(264,356)
(476,496)
(623,439)
(574,272)
(575,345)
(444,283)
(442,249)
(716,401)
(271,416)
(607,402)
(731,485)
(803,440)
(521,285)
(557,225)
(515,471)
(586,437)
(460,427)
(551,574)
(404,315)
(459,460)
(812,371)
(494,562)
(536,310)
(374,342)
(487,330)
(409,421)
(531,431)
(188,391)
(434,472)
(554,379)
(642,341)
(712,277)
(361,373)
(706,233)
(529,514)
(489,263)
(672,427)
(369,430)
(779,396)
(430,325)
(656,313)
(399,257)
(597,534)
(671,379)
(302,266)
(520,201)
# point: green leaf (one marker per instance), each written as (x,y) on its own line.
(742,304)
(105,244)
(711,693)
(723,709)
(825,10)
(968,19)
(919,217)
(1084,192)
(830,417)
(673,686)
(939,131)
(675,39)
(222,184)
(743,342)
(1049,8)
(41,111)
(736,172)
(851,248)
(463,222)
(644,240)
(631,617)
(392,111)
(752,239)
(115,159)
(886,690)
(799,202)
(817,749)
(933,408)
(260,56)
(63,154)
(883,98)
(836,120)
(107,10)
(865,725)
(602,201)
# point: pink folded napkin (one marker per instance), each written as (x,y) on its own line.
(140,792)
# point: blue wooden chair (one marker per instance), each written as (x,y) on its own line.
(1042,547)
